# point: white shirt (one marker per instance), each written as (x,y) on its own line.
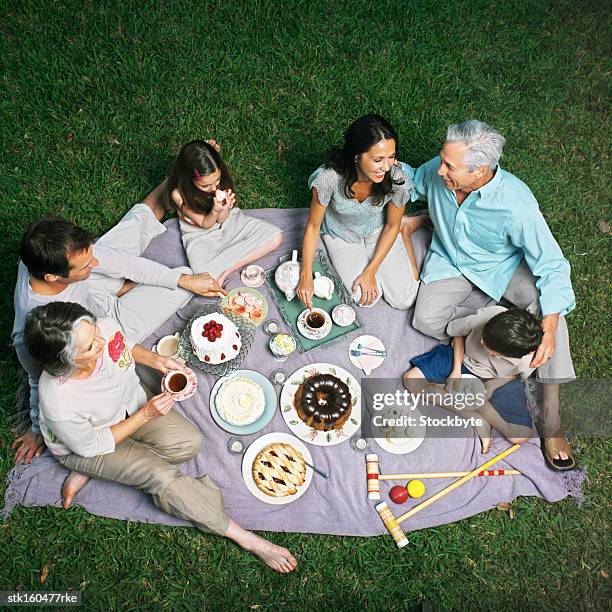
(76,414)
(113,264)
(476,358)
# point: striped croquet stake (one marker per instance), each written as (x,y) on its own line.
(372,476)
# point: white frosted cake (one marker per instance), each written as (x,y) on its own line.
(215,339)
(240,401)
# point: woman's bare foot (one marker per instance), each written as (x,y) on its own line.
(72,485)
(484,433)
(276,557)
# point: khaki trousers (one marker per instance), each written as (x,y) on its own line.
(440,302)
(148,460)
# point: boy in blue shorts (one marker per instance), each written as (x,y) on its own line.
(497,346)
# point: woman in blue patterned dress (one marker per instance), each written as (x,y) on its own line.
(358,200)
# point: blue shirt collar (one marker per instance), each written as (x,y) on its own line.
(490,187)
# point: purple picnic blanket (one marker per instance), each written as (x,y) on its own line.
(338,505)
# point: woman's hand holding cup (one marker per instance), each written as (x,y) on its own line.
(158,406)
(166,364)
(369,288)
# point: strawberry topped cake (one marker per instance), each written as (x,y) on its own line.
(215,339)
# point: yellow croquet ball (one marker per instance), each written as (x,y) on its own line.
(415,488)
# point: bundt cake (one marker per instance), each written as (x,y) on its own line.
(324,402)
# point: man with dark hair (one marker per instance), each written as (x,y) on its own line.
(497,346)
(60,262)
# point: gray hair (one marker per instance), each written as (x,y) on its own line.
(50,335)
(484,143)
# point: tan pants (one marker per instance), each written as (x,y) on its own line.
(148,460)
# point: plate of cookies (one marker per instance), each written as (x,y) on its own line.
(274,468)
(321,404)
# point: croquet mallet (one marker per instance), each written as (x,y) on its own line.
(373,476)
(393,524)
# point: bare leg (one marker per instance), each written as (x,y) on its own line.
(72,485)
(252,256)
(551,416)
(407,239)
(276,557)
(155,200)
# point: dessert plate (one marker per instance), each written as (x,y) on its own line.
(248,303)
(255,448)
(403,440)
(310,434)
(314,334)
(247,332)
(263,420)
(367,353)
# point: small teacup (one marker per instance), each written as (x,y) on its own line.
(253,276)
(252,272)
(175,382)
(315,320)
(168,346)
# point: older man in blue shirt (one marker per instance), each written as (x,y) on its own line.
(490,234)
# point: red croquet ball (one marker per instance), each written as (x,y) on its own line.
(398,494)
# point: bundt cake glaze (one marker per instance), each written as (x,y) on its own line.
(324,402)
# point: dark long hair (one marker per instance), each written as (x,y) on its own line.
(360,137)
(196,159)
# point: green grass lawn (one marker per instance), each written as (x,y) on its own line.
(96,99)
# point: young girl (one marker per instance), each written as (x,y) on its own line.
(358,199)
(218,237)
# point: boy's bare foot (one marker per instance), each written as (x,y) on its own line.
(276,557)
(72,485)
(484,433)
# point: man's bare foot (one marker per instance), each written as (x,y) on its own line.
(276,557)
(484,433)
(72,485)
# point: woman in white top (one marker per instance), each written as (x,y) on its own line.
(358,200)
(97,421)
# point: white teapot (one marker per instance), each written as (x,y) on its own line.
(287,276)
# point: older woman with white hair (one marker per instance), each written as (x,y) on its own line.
(489,234)
(96,419)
